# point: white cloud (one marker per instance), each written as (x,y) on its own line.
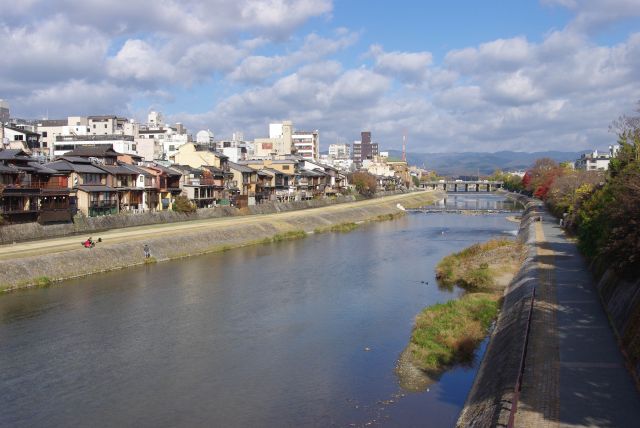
(105,56)
(258,68)
(75,97)
(51,51)
(595,15)
(410,67)
(498,55)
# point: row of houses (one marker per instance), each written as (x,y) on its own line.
(97,180)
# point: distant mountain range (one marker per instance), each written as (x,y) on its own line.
(468,163)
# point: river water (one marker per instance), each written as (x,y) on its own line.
(299,333)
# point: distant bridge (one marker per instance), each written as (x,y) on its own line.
(463,186)
(459,211)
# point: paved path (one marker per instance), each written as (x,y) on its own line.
(54,245)
(574,371)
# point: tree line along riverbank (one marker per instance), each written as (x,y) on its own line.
(26,265)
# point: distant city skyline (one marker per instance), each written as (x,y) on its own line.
(523,76)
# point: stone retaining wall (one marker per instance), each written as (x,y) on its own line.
(92,225)
(24,272)
(491,397)
(621,300)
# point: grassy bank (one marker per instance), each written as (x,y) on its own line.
(448,333)
(483,266)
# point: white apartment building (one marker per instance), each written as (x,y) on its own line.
(340,151)
(593,161)
(120,143)
(307,144)
(157,141)
(111,125)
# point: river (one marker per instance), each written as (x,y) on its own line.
(298,333)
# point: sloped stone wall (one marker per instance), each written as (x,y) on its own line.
(491,397)
(25,272)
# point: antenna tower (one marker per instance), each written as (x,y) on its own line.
(404,146)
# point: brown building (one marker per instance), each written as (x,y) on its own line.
(30,191)
(364,149)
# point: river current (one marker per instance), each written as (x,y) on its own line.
(299,333)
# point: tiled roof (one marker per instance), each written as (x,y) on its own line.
(241,168)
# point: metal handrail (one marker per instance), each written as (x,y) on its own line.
(523,356)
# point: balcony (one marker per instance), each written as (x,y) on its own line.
(100,208)
(104,204)
(212,182)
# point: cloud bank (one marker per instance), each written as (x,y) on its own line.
(264,60)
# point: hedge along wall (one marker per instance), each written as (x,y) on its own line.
(24,272)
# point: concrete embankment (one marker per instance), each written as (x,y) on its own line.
(31,269)
(92,225)
(491,398)
(621,299)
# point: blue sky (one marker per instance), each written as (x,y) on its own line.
(456,75)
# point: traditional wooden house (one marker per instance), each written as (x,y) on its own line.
(90,192)
(146,183)
(167,182)
(203,186)
(243,185)
(30,191)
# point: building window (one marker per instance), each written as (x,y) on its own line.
(94,126)
(285,167)
(44,134)
(105,126)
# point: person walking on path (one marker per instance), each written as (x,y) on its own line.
(147,251)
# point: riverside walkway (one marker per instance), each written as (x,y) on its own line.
(575,374)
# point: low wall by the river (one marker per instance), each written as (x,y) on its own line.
(491,397)
(91,225)
(28,271)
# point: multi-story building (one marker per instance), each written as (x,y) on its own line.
(307,144)
(593,161)
(119,142)
(280,141)
(21,139)
(340,151)
(110,125)
(158,141)
(4,111)
(203,186)
(30,191)
(364,149)
(236,150)
(243,187)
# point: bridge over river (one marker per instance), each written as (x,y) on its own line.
(463,186)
